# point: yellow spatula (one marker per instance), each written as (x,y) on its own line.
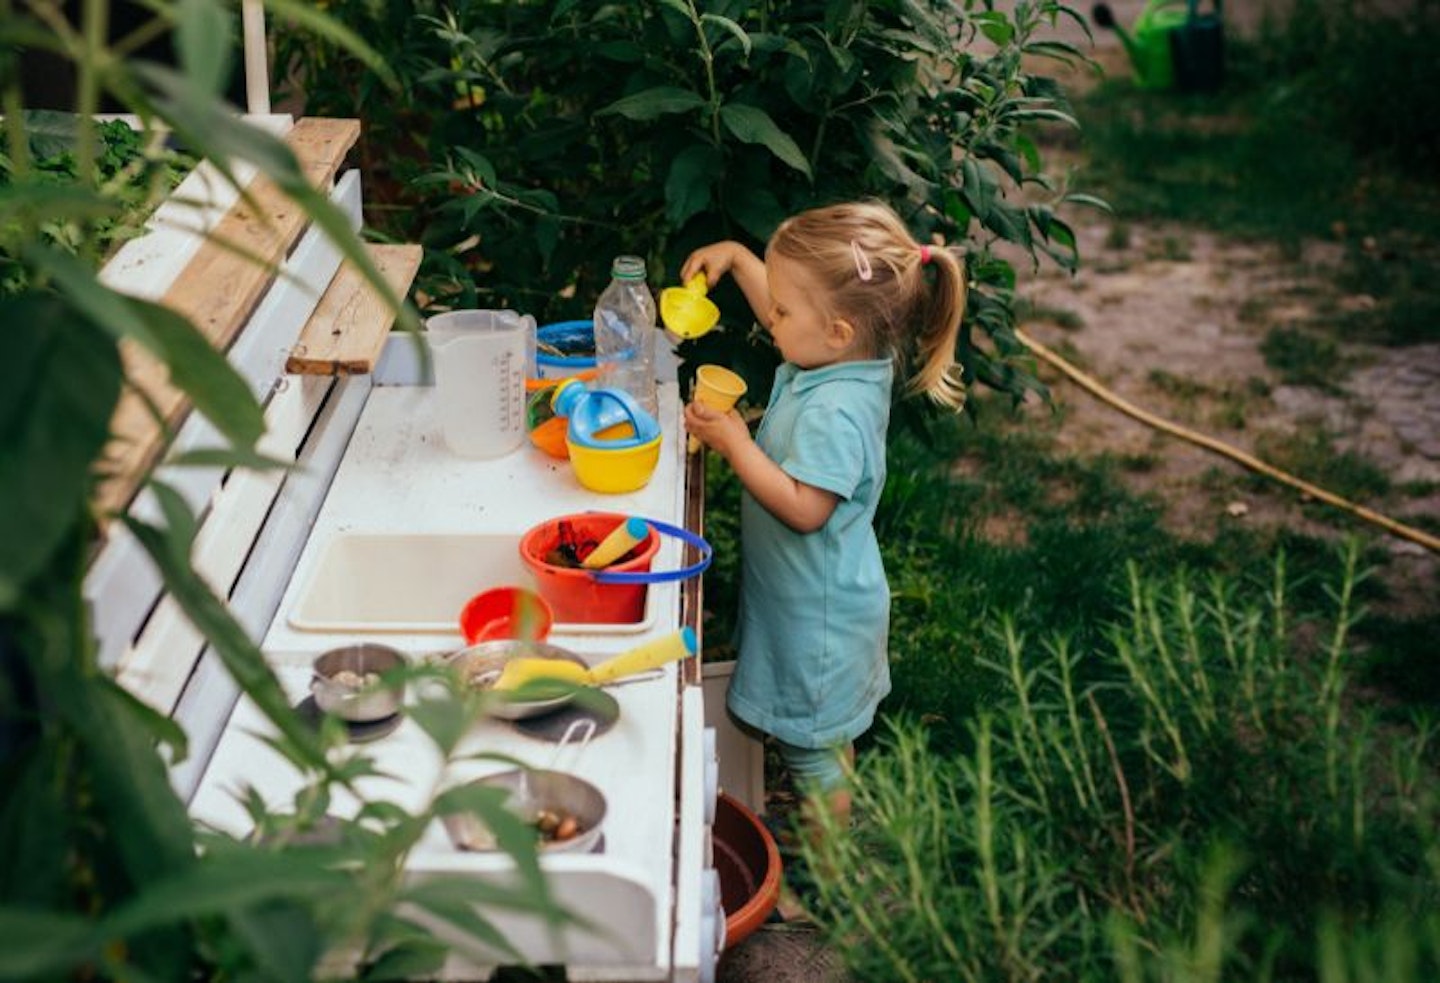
(622,540)
(525,669)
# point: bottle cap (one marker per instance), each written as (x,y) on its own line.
(628,268)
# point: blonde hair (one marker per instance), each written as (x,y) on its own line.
(872,271)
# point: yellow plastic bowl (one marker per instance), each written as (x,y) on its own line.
(614,470)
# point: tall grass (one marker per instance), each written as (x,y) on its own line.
(1194,797)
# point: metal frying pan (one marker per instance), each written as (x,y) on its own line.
(481,665)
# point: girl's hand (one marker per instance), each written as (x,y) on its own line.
(722,431)
(720,258)
(714,260)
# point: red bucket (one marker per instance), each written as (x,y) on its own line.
(575,595)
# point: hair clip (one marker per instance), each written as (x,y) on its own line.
(924,255)
(862,262)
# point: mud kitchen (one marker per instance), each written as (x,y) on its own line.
(413,495)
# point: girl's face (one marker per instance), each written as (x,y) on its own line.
(803,330)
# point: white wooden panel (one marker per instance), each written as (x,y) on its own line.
(158,665)
(210,695)
(690,836)
(122,585)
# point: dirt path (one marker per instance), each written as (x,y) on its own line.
(1174,320)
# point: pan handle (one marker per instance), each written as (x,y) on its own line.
(661,576)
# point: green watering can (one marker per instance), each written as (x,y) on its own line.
(1172,44)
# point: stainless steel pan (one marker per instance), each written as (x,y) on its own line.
(481,665)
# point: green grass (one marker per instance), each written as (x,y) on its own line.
(1304,358)
(1312,455)
(1183,793)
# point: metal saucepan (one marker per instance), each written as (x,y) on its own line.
(481,665)
(538,796)
(351,681)
(567,811)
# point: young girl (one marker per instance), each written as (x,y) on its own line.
(847,295)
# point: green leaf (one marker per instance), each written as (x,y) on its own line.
(203,372)
(204,43)
(1091,200)
(50,132)
(41,944)
(60,380)
(653,103)
(1050,115)
(1058,50)
(242,659)
(757,211)
(490,804)
(418,956)
(210,129)
(444,721)
(688,186)
(979,192)
(679,7)
(996,26)
(37,826)
(162,728)
(752,124)
(325,215)
(465,915)
(547,236)
(283,940)
(729,25)
(195,366)
(224,457)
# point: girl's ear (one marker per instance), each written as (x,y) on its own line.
(842,334)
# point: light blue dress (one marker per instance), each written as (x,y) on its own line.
(815,608)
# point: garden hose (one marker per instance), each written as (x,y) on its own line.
(1097,390)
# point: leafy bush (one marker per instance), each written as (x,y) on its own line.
(1179,802)
(136,177)
(560,134)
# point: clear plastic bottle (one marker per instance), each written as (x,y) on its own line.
(625,333)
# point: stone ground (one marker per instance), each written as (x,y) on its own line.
(1171,319)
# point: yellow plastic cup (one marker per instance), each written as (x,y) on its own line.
(686,311)
(718,388)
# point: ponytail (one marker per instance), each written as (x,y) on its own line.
(937,375)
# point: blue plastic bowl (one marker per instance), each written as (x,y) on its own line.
(549,366)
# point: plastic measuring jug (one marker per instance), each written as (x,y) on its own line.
(481,359)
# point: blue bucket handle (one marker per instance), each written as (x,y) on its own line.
(662,576)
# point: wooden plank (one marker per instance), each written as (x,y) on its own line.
(122,584)
(347,331)
(217,290)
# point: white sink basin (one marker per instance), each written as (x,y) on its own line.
(398,582)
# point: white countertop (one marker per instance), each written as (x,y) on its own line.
(398,477)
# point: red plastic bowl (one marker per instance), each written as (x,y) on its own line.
(505,612)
